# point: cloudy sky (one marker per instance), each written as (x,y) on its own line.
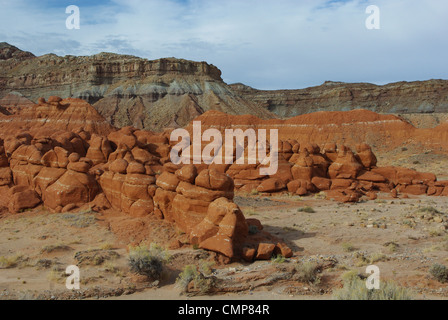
(282,44)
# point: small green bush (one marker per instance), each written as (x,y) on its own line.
(9,262)
(439,272)
(306,209)
(348,247)
(278,259)
(431,210)
(149,262)
(356,289)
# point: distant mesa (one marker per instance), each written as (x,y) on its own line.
(126,90)
(169,92)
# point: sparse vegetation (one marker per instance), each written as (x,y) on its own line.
(362,260)
(55,247)
(56,275)
(348,247)
(278,259)
(250,212)
(377,257)
(308,272)
(439,272)
(430,210)
(435,233)
(9,262)
(200,282)
(391,246)
(356,289)
(148,261)
(106,246)
(306,209)
(254,192)
(81,219)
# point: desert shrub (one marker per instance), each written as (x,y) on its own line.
(56,275)
(356,289)
(278,258)
(254,192)
(308,272)
(428,210)
(9,262)
(392,246)
(350,276)
(377,257)
(253,229)
(201,283)
(348,247)
(205,267)
(306,209)
(81,220)
(439,272)
(149,262)
(54,247)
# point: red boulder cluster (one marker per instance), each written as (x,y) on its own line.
(130,170)
(336,170)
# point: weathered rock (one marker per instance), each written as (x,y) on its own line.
(22,198)
(223,230)
(271,185)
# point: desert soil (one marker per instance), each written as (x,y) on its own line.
(37,246)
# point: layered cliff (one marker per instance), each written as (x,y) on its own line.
(383,132)
(126,90)
(401,97)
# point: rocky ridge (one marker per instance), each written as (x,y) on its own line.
(126,90)
(419,97)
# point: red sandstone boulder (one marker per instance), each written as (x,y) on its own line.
(167,181)
(271,185)
(300,187)
(71,188)
(118,166)
(282,249)
(265,251)
(22,198)
(345,166)
(99,149)
(214,180)
(223,230)
(5,176)
(187,173)
(163,202)
(365,155)
(371,176)
(321,184)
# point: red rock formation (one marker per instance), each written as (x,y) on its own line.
(130,171)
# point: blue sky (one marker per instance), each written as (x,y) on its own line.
(283,44)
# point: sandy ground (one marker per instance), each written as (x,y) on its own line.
(37,246)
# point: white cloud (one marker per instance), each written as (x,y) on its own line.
(265,44)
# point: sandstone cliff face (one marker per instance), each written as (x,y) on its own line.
(401,97)
(126,90)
